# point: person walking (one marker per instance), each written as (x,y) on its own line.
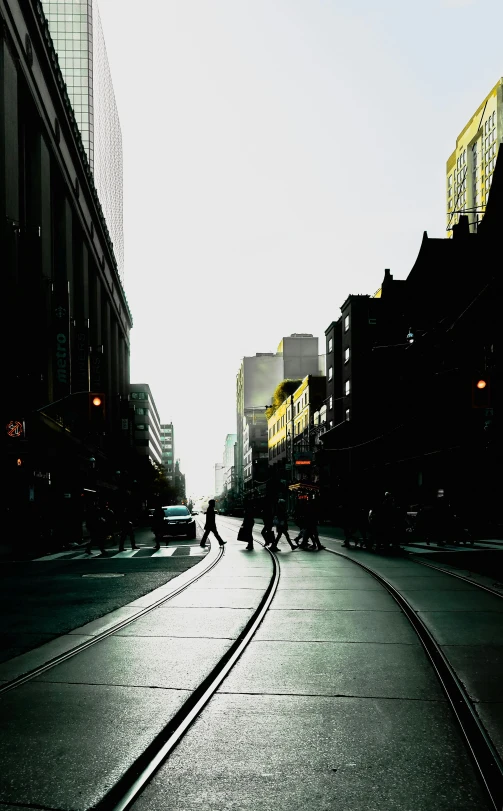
(127,530)
(282,526)
(311,527)
(96,525)
(248,523)
(109,516)
(267,531)
(158,525)
(210,524)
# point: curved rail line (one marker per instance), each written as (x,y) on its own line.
(481,748)
(63,657)
(132,783)
(460,577)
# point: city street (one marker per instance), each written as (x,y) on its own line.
(214,340)
(337,701)
(55,593)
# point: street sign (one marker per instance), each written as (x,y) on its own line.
(14,429)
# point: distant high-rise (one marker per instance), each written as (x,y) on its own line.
(75,27)
(146,424)
(471,165)
(168,449)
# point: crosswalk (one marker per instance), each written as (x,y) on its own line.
(192,550)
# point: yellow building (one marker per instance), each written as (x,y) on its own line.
(471,165)
(293,418)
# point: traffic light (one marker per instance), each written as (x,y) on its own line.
(97,411)
(481,392)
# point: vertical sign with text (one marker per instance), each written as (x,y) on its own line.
(80,356)
(61,340)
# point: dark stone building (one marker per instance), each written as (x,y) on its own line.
(410,420)
(65,317)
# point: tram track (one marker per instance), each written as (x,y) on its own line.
(482,751)
(139,774)
(462,577)
(118,626)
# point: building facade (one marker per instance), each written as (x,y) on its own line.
(256,380)
(58,263)
(254,449)
(300,355)
(297,355)
(77,34)
(219,478)
(168,450)
(146,423)
(470,168)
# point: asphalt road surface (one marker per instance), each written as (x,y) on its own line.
(50,596)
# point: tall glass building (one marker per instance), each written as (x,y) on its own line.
(77,34)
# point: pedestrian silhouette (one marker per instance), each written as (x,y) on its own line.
(268,517)
(97,528)
(127,530)
(158,525)
(248,522)
(282,526)
(210,524)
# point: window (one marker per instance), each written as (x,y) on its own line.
(347,387)
(331,402)
(346,355)
(348,414)
(330,373)
(346,323)
(331,423)
(330,344)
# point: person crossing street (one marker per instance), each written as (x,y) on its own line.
(126,529)
(210,524)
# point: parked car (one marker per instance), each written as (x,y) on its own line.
(178,521)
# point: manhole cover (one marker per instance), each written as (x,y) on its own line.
(105,574)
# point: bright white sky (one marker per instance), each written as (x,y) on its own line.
(278,155)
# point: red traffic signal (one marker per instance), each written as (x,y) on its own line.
(96,409)
(481,392)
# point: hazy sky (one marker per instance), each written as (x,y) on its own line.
(278,155)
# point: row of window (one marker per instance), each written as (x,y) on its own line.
(277,450)
(491,122)
(347,354)
(490,139)
(461,161)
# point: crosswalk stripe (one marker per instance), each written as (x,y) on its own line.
(126,553)
(56,555)
(112,554)
(93,554)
